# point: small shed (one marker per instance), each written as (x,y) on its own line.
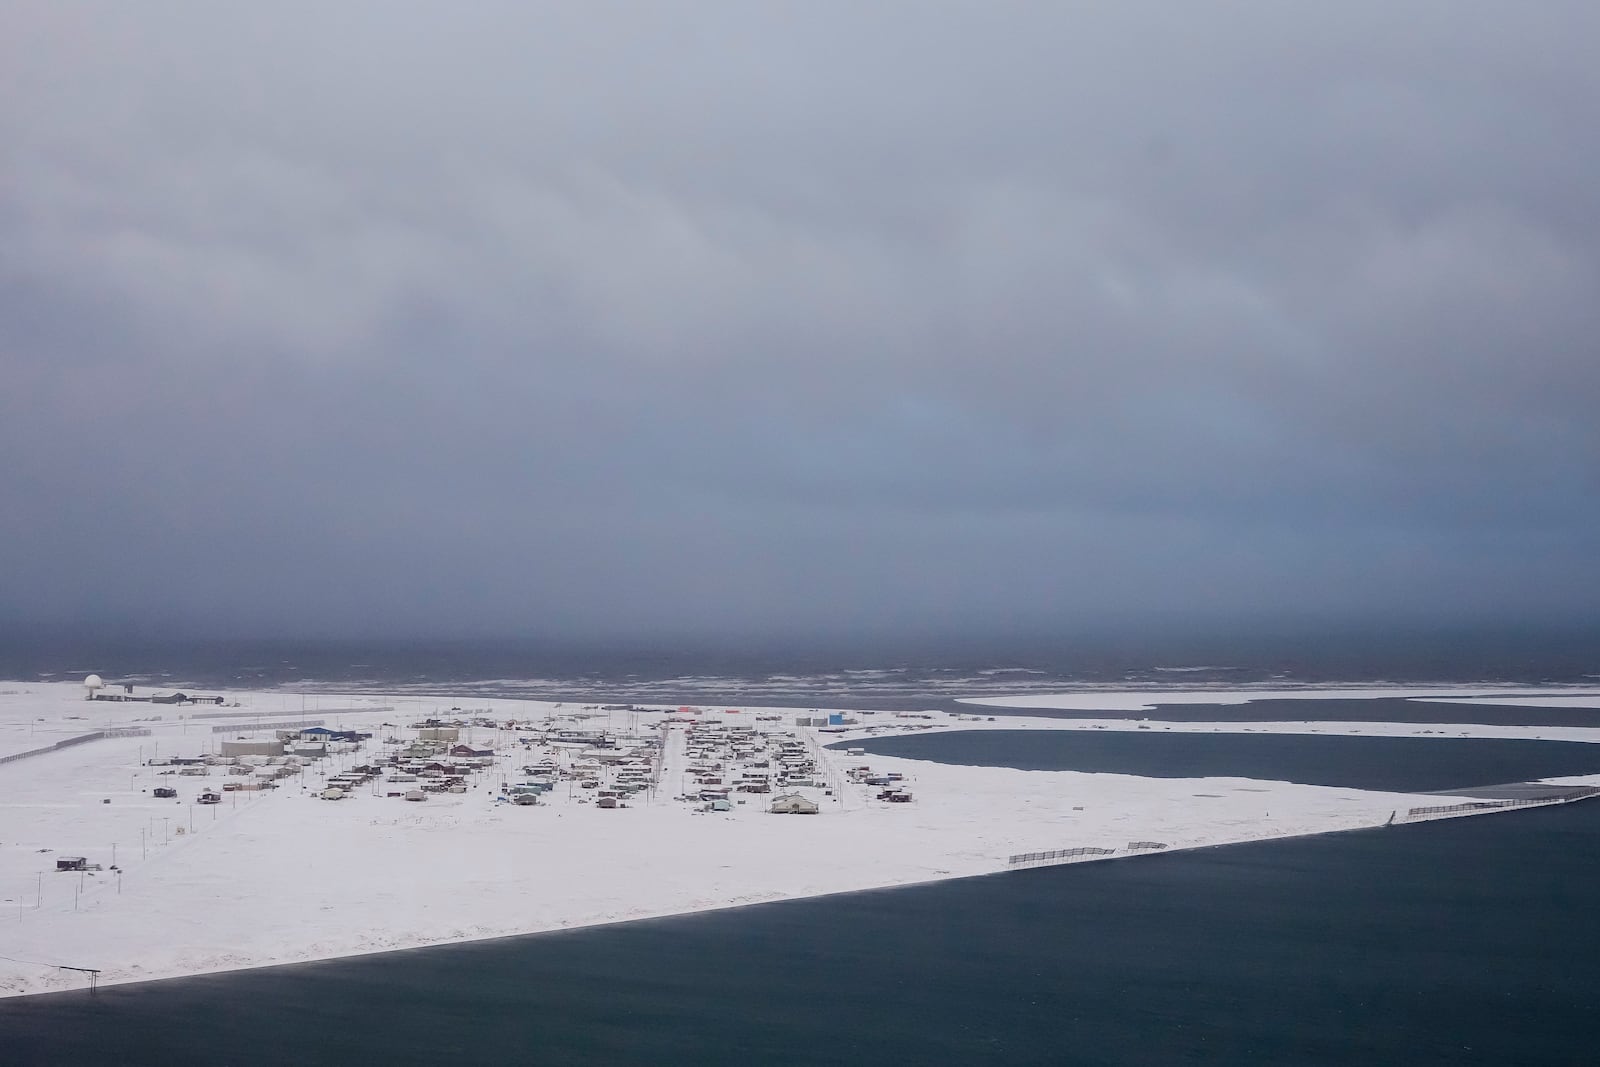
(71,863)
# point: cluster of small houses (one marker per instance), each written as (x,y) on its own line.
(435,761)
(726,758)
(723,759)
(891,785)
(610,768)
(250,765)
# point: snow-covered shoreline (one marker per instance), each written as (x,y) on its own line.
(277,877)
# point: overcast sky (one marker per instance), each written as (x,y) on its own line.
(824,318)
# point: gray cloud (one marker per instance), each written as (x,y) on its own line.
(731,318)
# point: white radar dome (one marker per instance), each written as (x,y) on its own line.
(94,681)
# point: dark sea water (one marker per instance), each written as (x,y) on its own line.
(870,674)
(1465,942)
(1402,764)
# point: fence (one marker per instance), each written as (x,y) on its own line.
(1059,855)
(1067,855)
(324,712)
(256,727)
(1473,807)
(125,731)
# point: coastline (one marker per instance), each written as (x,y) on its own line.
(284,878)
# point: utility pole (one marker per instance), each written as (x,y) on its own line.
(93,973)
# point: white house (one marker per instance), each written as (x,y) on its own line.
(793,804)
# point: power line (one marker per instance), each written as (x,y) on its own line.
(31,963)
(92,972)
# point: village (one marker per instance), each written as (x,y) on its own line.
(706,761)
(148,838)
(127,807)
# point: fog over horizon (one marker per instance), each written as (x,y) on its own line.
(734,321)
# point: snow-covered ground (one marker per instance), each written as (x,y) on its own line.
(282,876)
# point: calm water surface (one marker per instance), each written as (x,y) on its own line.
(1424,713)
(1466,942)
(1402,764)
